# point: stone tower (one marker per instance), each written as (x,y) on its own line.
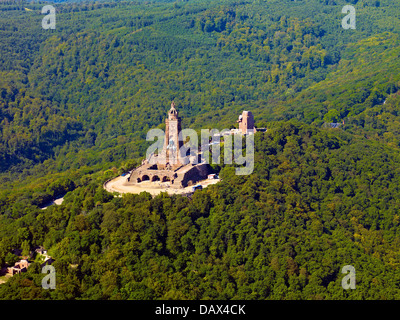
(168,167)
(246,123)
(172,145)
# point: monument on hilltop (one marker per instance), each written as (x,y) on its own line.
(173,166)
(172,145)
(168,165)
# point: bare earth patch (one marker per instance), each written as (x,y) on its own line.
(154,188)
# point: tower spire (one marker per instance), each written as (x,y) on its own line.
(172,144)
(173,113)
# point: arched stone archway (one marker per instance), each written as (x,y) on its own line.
(138,180)
(165,179)
(155,178)
(145,178)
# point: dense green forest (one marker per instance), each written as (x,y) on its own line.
(76,103)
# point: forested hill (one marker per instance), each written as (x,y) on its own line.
(315,203)
(108,72)
(76,104)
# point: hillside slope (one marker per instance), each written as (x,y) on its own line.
(77,102)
